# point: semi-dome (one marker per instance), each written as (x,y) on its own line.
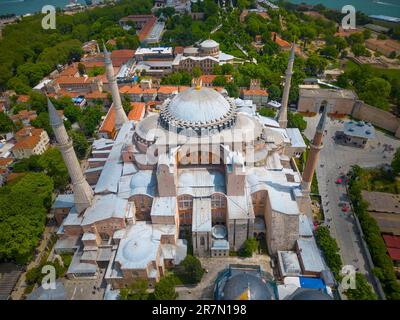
(199,109)
(209,44)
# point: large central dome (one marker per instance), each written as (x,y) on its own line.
(199,109)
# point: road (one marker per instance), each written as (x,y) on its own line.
(335,159)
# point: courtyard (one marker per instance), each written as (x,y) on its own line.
(205,289)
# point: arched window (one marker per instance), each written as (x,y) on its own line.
(218,201)
(185,202)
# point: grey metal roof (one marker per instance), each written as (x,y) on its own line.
(305,226)
(310,255)
(220,245)
(55,119)
(105,207)
(359,129)
(201,215)
(64,201)
(109,178)
(296,138)
(200,182)
(289,263)
(163,206)
(144,182)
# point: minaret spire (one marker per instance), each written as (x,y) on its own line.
(282,116)
(315,148)
(120,115)
(83,193)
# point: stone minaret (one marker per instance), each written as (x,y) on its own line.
(120,115)
(282,116)
(313,155)
(83,193)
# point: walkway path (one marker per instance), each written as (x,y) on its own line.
(334,160)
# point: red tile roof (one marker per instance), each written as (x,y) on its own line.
(149,91)
(131,90)
(137,111)
(255,92)
(394,253)
(279,41)
(148,26)
(167,89)
(24,115)
(392,241)
(108,125)
(23,98)
(96,95)
(4,162)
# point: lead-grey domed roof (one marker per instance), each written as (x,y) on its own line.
(198,108)
(258,288)
(199,105)
(209,44)
(309,294)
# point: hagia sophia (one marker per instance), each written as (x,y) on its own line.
(202,166)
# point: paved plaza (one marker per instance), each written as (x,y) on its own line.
(334,160)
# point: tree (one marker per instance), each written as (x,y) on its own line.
(232,89)
(330,51)
(219,81)
(43,121)
(275,93)
(136,291)
(330,248)
(296,120)
(165,290)
(23,208)
(363,290)
(315,65)
(81,69)
(90,120)
(80,143)
(72,112)
(359,50)
(193,271)
(267,112)
(196,72)
(53,165)
(28,164)
(371,89)
(6,124)
(396,162)
(249,247)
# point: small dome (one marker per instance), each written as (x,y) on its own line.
(209,44)
(246,286)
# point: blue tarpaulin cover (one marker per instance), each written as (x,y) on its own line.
(312,283)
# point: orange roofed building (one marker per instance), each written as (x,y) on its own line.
(30,141)
(107,128)
(137,112)
(25,116)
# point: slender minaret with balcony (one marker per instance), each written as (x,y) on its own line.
(315,148)
(83,193)
(120,115)
(283,112)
